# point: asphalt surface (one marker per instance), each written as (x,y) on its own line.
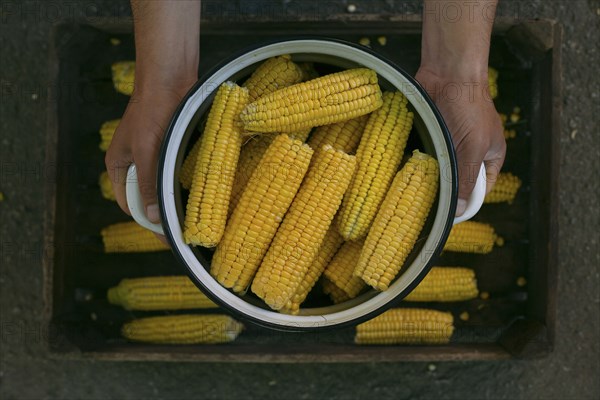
(26,371)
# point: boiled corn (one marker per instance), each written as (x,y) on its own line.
(261,208)
(378,157)
(304,227)
(340,271)
(123,76)
(106,187)
(214,170)
(183,329)
(327,250)
(275,73)
(407,326)
(107,131)
(399,221)
(343,136)
(321,101)
(505,189)
(446,284)
(158,293)
(129,237)
(472,237)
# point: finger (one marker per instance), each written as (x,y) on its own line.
(493,165)
(469,155)
(146,159)
(117,172)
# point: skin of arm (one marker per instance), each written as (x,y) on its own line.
(167,36)
(453,70)
(455,49)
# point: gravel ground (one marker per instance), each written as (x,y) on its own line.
(27,372)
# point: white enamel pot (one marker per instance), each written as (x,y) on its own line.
(435,140)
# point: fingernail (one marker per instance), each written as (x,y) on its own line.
(461,206)
(152,213)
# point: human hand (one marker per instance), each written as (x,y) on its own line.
(475,126)
(167,47)
(138,139)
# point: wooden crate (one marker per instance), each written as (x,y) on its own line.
(514,322)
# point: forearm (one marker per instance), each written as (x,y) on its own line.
(456,38)
(167,36)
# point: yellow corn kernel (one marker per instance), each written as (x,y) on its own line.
(493,85)
(471,237)
(261,208)
(183,329)
(343,136)
(275,73)
(158,293)
(123,76)
(304,227)
(106,186)
(252,152)
(129,237)
(446,284)
(327,250)
(407,326)
(506,188)
(107,131)
(378,157)
(321,101)
(186,174)
(214,170)
(340,271)
(399,221)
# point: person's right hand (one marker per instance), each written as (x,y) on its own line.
(138,139)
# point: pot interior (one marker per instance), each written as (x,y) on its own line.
(317,305)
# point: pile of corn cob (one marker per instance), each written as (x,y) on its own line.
(334,258)
(268,206)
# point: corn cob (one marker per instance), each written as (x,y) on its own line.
(129,237)
(321,101)
(506,188)
(327,250)
(304,227)
(336,294)
(107,131)
(378,157)
(399,221)
(407,326)
(508,133)
(250,156)
(186,174)
(340,270)
(214,170)
(492,84)
(158,293)
(183,329)
(343,136)
(275,73)
(261,208)
(123,76)
(446,284)
(472,237)
(106,186)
